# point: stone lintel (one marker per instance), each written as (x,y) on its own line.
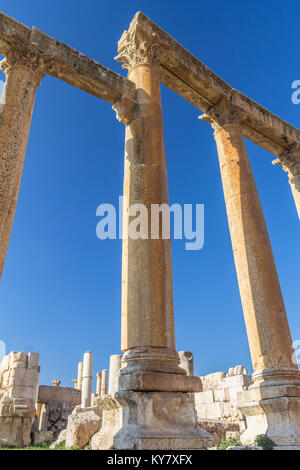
(190,78)
(49,394)
(66,63)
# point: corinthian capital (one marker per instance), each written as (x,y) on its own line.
(139,46)
(222,114)
(290,161)
(22,56)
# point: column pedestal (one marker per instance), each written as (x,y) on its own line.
(272,407)
(150,421)
(140,372)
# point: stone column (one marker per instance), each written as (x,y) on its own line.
(98,386)
(265,316)
(149,410)
(114,370)
(290,162)
(75,383)
(79,375)
(24,70)
(87,378)
(104,382)
(148,340)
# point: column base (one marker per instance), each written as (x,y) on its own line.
(155,369)
(272,407)
(149,420)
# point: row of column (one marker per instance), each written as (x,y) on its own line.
(150,360)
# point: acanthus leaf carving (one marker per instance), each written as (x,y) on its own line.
(138,46)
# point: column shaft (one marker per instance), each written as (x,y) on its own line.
(150,361)
(15,121)
(265,316)
(114,370)
(87,378)
(98,387)
(147,297)
(104,382)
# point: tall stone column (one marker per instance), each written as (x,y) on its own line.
(87,378)
(104,382)
(149,410)
(265,316)
(150,361)
(114,370)
(290,162)
(23,70)
(79,375)
(98,386)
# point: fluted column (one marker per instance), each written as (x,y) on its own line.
(265,316)
(290,162)
(23,69)
(148,337)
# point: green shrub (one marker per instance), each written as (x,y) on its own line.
(60,446)
(74,448)
(225,443)
(44,445)
(262,440)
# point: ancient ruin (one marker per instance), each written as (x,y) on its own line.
(154,399)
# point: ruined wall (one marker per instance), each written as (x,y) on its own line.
(216,405)
(19,377)
(55,404)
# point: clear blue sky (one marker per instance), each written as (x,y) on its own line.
(60,293)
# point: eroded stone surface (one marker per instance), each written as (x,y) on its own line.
(81,427)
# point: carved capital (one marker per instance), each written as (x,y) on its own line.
(139,46)
(124,109)
(290,161)
(222,114)
(21,56)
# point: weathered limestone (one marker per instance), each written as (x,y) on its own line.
(216,405)
(79,375)
(23,70)
(150,361)
(114,371)
(56,383)
(104,382)
(190,78)
(149,420)
(146,413)
(19,376)
(290,162)
(66,63)
(54,406)
(87,378)
(98,386)
(75,383)
(266,321)
(81,427)
(267,326)
(187,361)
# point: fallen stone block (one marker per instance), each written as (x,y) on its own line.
(81,427)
